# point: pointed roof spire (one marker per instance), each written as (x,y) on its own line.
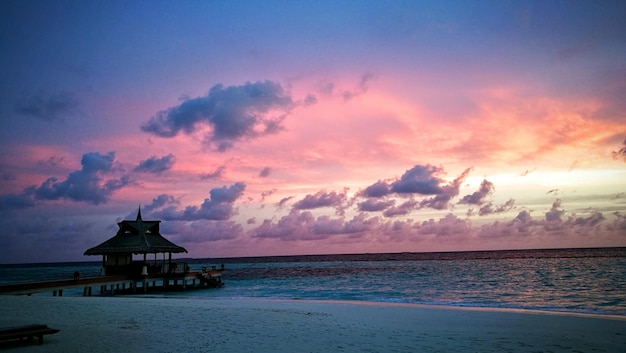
(139,214)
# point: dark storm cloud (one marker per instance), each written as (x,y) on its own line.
(218,207)
(156,165)
(233,113)
(478,198)
(85,185)
(46,107)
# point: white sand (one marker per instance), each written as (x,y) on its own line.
(137,324)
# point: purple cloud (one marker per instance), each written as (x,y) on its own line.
(283,201)
(478,198)
(46,107)
(404,209)
(265,172)
(447,192)
(555,213)
(218,207)
(201,231)
(156,165)
(378,189)
(86,185)
(421,179)
(374,205)
(299,225)
(450,225)
(216,174)
(489,208)
(233,113)
(321,199)
(159,202)
(15,201)
(621,152)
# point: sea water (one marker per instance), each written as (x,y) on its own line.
(567,280)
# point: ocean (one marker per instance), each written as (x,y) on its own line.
(565,280)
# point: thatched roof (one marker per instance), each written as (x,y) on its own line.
(136,237)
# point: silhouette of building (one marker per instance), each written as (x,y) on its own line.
(136,237)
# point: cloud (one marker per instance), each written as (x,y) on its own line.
(450,225)
(594,219)
(156,165)
(555,213)
(421,179)
(449,191)
(489,208)
(283,201)
(201,231)
(619,223)
(478,198)
(620,153)
(7,176)
(46,107)
(322,199)
(86,185)
(360,89)
(233,113)
(374,205)
(15,201)
(298,225)
(378,189)
(265,172)
(160,201)
(218,207)
(216,174)
(404,209)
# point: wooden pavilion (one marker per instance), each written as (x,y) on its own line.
(136,237)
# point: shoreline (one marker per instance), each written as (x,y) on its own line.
(157,324)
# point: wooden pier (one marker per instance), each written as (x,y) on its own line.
(122,284)
(122,274)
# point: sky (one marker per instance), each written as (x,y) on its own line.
(254,128)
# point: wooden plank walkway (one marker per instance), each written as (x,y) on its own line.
(111,284)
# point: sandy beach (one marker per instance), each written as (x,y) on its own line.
(138,324)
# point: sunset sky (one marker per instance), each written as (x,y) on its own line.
(257,128)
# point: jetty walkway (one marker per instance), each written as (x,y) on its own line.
(121,284)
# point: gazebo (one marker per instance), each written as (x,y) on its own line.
(135,237)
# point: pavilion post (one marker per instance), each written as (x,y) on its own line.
(144,270)
(103,271)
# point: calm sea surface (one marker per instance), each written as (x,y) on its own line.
(569,280)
